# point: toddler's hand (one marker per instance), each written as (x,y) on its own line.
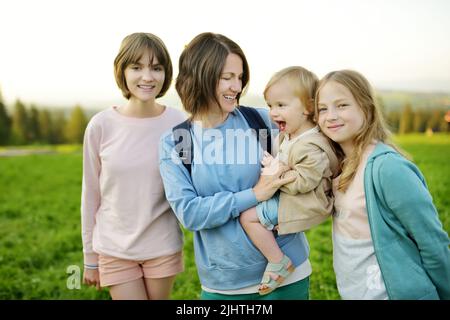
(267,159)
(273,165)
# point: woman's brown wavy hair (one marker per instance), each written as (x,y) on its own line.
(200,66)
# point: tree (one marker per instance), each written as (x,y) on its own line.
(419,121)
(58,121)
(406,119)
(34,132)
(5,123)
(443,127)
(393,121)
(45,126)
(382,107)
(19,134)
(434,123)
(74,131)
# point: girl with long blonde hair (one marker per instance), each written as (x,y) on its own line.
(388,241)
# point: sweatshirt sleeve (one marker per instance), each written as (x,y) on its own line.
(90,193)
(308,166)
(193,211)
(410,201)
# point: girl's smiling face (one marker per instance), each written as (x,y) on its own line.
(145,78)
(339,115)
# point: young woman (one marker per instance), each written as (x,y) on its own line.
(131,239)
(223,181)
(388,242)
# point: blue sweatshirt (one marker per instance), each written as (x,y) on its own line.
(226,165)
(410,244)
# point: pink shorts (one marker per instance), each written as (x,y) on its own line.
(114,271)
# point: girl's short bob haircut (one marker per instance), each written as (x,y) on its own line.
(200,67)
(131,51)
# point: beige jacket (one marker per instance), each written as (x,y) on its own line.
(308,200)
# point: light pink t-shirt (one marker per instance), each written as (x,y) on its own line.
(350,218)
(358,274)
(124,210)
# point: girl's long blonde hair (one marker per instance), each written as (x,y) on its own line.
(373,128)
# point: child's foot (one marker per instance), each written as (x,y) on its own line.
(275,274)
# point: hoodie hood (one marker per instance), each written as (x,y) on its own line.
(380,150)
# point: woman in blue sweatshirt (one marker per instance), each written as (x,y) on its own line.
(388,242)
(224,177)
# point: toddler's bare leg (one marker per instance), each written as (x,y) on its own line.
(262,238)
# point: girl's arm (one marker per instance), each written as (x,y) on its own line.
(406,194)
(90,194)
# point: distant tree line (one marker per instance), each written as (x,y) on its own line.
(409,120)
(30,125)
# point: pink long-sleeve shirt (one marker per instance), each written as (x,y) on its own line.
(124,211)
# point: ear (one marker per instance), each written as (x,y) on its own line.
(309,108)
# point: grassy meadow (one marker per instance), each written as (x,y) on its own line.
(40,238)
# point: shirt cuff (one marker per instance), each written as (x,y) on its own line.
(91,258)
(244,200)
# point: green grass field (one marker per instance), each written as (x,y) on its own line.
(40,242)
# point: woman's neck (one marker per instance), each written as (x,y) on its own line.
(211,119)
(139,109)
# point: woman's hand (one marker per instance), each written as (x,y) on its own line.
(91,278)
(271,180)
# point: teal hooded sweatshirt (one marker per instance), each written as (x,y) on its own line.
(410,244)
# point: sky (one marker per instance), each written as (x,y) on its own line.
(61,52)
